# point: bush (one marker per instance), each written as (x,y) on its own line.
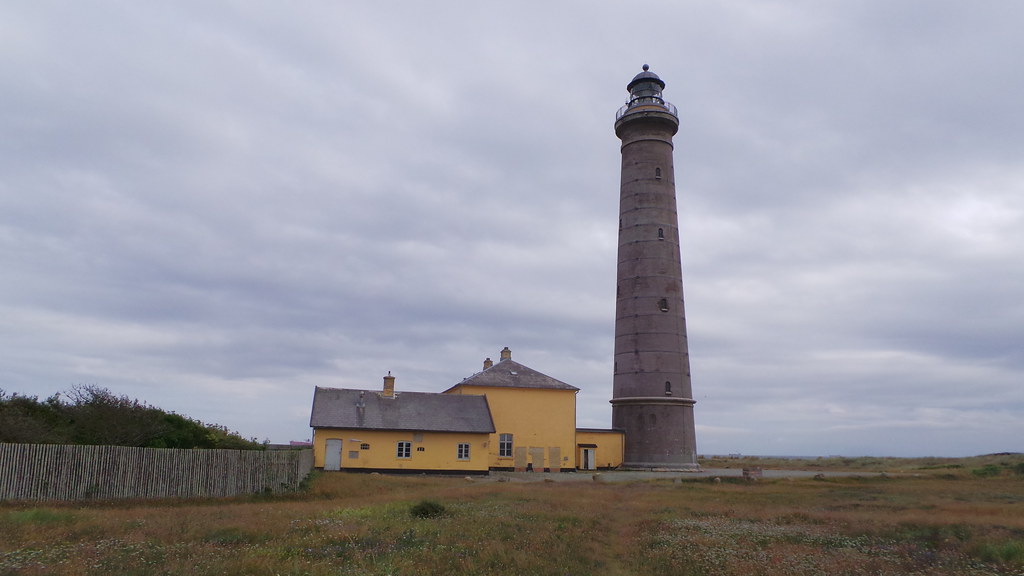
(90,415)
(987,471)
(427,509)
(1008,553)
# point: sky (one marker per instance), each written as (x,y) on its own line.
(216,206)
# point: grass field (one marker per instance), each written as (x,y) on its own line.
(950,517)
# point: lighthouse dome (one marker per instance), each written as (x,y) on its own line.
(645,77)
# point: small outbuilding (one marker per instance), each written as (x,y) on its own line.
(390,431)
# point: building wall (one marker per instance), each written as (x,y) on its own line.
(542,423)
(378,450)
(610,445)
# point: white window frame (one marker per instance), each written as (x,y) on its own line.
(404,450)
(505,445)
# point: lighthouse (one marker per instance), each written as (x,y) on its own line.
(652,398)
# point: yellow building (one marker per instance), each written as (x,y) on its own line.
(534,416)
(599,449)
(505,417)
(399,432)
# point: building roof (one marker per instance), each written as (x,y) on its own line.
(412,411)
(511,374)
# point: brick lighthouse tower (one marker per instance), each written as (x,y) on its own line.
(651,395)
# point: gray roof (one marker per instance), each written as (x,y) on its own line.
(512,374)
(413,411)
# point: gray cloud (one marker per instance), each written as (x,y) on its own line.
(217,207)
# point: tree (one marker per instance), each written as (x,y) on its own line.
(100,417)
(24,419)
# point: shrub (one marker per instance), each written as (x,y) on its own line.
(427,509)
(987,471)
(1005,553)
(90,415)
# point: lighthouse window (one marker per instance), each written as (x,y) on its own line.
(661,233)
(668,388)
(663,305)
(657,173)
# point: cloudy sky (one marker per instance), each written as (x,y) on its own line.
(214,207)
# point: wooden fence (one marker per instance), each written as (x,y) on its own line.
(59,472)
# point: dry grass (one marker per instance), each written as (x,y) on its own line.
(938,521)
(1005,461)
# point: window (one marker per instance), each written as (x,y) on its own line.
(661,233)
(463,452)
(663,305)
(404,450)
(657,173)
(505,446)
(364,446)
(668,388)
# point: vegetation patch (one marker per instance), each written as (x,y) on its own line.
(987,471)
(90,415)
(39,516)
(1007,553)
(230,536)
(352,524)
(427,509)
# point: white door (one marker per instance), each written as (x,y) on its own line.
(589,460)
(332,459)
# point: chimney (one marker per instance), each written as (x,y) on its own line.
(389,385)
(487,363)
(506,354)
